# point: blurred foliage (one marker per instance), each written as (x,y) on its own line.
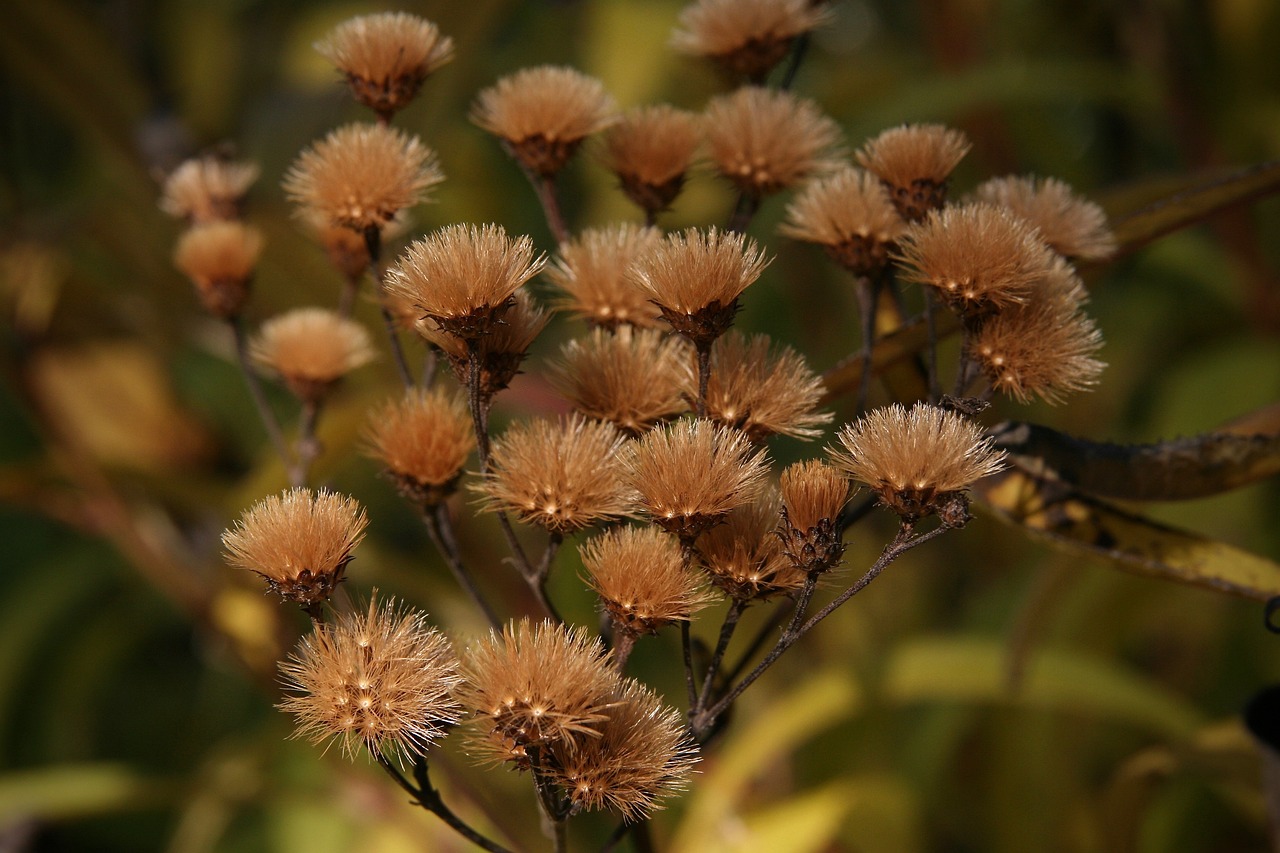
(985,694)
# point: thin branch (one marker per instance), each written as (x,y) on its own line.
(429,798)
(546,189)
(931,324)
(265,413)
(743,212)
(686,651)
(307,447)
(373,242)
(702,351)
(736,606)
(799,48)
(440,529)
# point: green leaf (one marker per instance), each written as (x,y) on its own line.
(78,790)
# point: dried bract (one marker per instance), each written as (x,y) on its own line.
(219,257)
(500,353)
(813,494)
(311,349)
(747,37)
(914,161)
(765,140)
(743,556)
(423,440)
(1073,226)
(650,150)
(591,269)
(851,216)
(207,189)
(641,578)
(386,57)
(633,378)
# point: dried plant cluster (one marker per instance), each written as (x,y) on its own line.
(663,464)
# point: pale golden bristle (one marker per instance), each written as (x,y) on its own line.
(747,37)
(423,440)
(219,257)
(591,270)
(641,578)
(650,150)
(386,57)
(914,161)
(851,216)
(207,189)
(1073,226)
(744,557)
(312,348)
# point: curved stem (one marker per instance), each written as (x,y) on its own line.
(703,352)
(429,798)
(373,242)
(440,529)
(306,448)
(623,644)
(743,212)
(736,606)
(265,414)
(686,651)
(799,48)
(347,298)
(931,323)
(546,189)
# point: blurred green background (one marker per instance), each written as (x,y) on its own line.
(136,670)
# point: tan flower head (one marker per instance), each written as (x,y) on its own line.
(219,257)
(500,353)
(561,475)
(423,439)
(299,541)
(386,57)
(641,578)
(919,461)
(642,755)
(1071,225)
(914,161)
(747,37)
(543,114)
(978,258)
(851,216)
(538,686)
(651,150)
(463,277)
(690,475)
(695,277)
(632,378)
(311,349)
(765,140)
(744,557)
(813,494)
(760,389)
(207,189)
(380,678)
(591,269)
(346,249)
(361,175)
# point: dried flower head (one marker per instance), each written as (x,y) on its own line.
(918,460)
(978,258)
(311,349)
(299,541)
(386,57)
(650,150)
(765,140)
(642,579)
(592,271)
(537,686)
(463,277)
(207,189)
(760,389)
(1071,225)
(499,353)
(851,216)
(346,249)
(813,494)
(543,114)
(914,161)
(688,476)
(642,755)
(633,378)
(361,175)
(695,278)
(747,37)
(561,475)
(219,257)
(744,556)
(423,439)
(381,678)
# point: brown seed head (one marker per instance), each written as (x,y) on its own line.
(744,556)
(423,439)
(633,378)
(361,175)
(1073,226)
(641,578)
(463,277)
(688,476)
(916,460)
(592,271)
(219,257)
(765,140)
(500,352)
(760,389)
(650,150)
(346,249)
(851,216)
(747,37)
(299,541)
(311,349)
(381,678)
(978,258)
(561,475)
(642,755)
(543,114)
(537,686)
(813,494)
(207,189)
(386,57)
(914,161)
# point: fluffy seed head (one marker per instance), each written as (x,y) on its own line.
(591,269)
(813,494)
(851,216)
(386,57)
(423,440)
(650,150)
(918,460)
(690,475)
(1073,226)
(207,189)
(219,257)
(914,161)
(500,353)
(380,678)
(311,349)
(361,175)
(743,556)
(747,37)
(299,541)
(543,114)
(765,140)
(641,578)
